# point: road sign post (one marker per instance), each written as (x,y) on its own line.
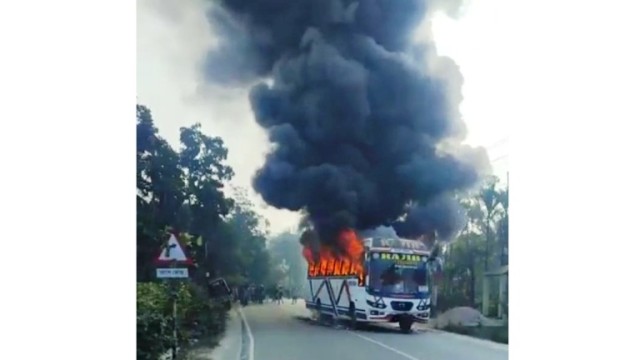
(174,299)
(173,262)
(174,352)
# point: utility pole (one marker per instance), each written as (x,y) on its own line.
(505,232)
(284,266)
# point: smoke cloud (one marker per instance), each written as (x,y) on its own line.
(380,231)
(355,115)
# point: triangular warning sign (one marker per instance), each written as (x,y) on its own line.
(173,251)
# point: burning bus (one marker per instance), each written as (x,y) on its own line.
(374,280)
(362,135)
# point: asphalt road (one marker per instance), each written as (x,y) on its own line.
(286,332)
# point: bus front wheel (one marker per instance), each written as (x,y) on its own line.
(352,315)
(405,324)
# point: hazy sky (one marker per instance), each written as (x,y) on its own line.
(173,36)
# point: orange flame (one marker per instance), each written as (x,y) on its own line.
(328,263)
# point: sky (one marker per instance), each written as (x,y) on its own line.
(173,36)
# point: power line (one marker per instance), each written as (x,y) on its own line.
(500,158)
(498,143)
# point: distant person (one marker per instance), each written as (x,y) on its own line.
(260,294)
(294,296)
(279,295)
(244,295)
(235,295)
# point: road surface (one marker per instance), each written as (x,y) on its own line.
(285,332)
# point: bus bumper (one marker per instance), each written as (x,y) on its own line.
(422,317)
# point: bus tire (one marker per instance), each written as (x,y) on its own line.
(405,324)
(320,315)
(353,322)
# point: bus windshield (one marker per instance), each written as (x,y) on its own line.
(391,273)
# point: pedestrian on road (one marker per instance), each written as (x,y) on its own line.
(279,296)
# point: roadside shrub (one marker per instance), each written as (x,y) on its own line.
(501,335)
(198,315)
(154,326)
(153,335)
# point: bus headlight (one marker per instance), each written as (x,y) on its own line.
(376,305)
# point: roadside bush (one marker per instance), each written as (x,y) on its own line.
(501,335)
(154,335)
(198,315)
(154,326)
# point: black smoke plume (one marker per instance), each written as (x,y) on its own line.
(357,118)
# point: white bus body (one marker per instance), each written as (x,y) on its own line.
(343,297)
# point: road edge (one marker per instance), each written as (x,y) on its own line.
(247,344)
(486,342)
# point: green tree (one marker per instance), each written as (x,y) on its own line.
(286,246)
(183,192)
(202,160)
(160,185)
(503,227)
(241,247)
(474,251)
(464,256)
(489,197)
(463,260)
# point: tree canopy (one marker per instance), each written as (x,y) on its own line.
(481,246)
(183,191)
(286,247)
